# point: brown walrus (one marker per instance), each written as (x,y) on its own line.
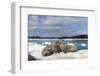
(57,47)
(47,51)
(51,49)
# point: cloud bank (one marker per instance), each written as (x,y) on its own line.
(50,26)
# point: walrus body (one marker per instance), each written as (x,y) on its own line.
(70,48)
(57,47)
(47,51)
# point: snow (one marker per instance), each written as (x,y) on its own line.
(70,44)
(36,51)
(46,43)
(35,47)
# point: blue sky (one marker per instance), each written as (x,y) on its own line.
(56,26)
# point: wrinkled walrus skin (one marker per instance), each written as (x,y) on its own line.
(47,51)
(70,48)
(57,47)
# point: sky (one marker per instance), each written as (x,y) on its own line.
(57,26)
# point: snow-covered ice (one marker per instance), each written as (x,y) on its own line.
(36,51)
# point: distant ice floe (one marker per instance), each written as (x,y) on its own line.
(32,43)
(36,51)
(46,43)
(71,44)
(83,44)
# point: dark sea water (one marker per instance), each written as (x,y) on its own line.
(81,44)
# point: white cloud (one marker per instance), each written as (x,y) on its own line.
(35,20)
(60,24)
(44,27)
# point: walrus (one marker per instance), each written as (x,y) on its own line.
(71,48)
(57,47)
(51,49)
(68,48)
(63,48)
(47,51)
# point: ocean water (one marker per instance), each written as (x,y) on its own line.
(81,44)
